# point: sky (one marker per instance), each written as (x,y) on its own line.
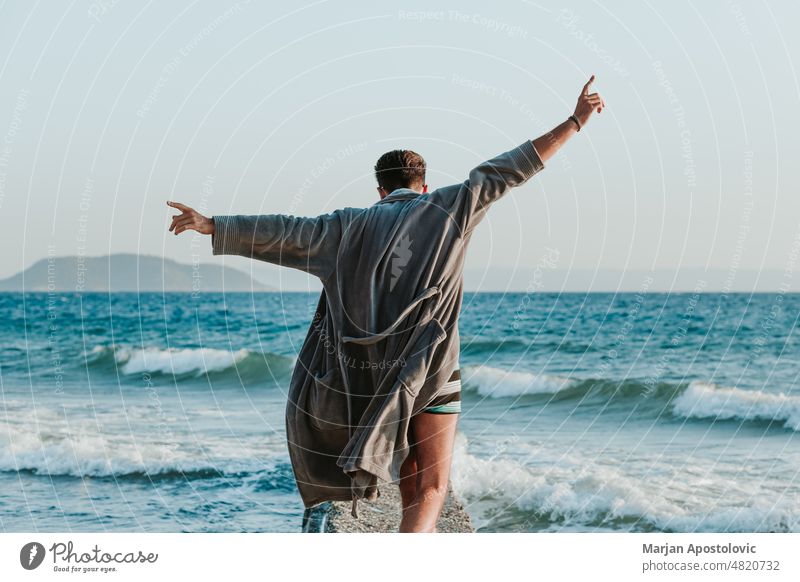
(110,108)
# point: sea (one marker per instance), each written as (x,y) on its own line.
(582,412)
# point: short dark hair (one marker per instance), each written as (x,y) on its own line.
(400,169)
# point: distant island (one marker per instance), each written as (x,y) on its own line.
(128,272)
(132,272)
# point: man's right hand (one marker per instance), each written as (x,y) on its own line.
(190,219)
(588,103)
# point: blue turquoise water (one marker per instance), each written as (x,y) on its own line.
(581,412)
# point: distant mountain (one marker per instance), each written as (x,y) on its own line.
(128,272)
(131,272)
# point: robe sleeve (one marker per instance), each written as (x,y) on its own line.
(487,183)
(305,243)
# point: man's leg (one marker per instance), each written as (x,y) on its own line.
(408,478)
(433,436)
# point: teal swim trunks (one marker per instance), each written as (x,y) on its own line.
(448,399)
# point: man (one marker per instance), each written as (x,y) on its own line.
(375,394)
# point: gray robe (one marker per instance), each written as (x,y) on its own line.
(384,337)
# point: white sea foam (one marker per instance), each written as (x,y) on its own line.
(54,446)
(497,383)
(177,360)
(704,400)
(582,491)
(572,492)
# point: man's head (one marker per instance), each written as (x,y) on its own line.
(400,169)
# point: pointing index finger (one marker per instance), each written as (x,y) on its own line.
(587,85)
(178,205)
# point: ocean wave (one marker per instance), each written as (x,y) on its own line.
(704,400)
(689,400)
(56,449)
(476,347)
(497,383)
(482,346)
(562,493)
(177,360)
(194,362)
(581,492)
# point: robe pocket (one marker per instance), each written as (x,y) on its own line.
(327,402)
(415,370)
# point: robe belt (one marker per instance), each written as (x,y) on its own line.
(373,339)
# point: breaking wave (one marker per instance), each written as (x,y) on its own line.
(693,400)
(188,362)
(57,448)
(577,492)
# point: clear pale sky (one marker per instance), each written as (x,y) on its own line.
(108,109)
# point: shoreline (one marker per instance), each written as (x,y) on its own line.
(383,515)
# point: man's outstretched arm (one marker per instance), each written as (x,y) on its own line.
(490,180)
(308,244)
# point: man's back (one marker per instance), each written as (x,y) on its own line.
(395,249)
(385,335)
